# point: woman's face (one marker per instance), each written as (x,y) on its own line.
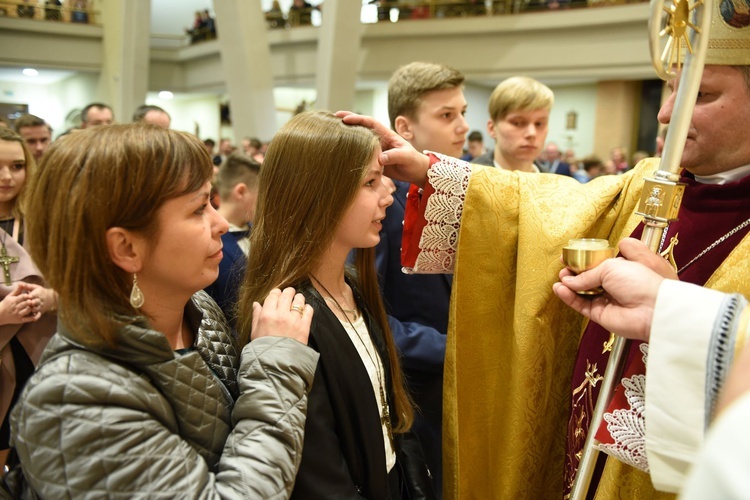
(12,174)
(183,256)
(362,222)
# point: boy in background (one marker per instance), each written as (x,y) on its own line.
(519,110)
(237,185)
(426,106)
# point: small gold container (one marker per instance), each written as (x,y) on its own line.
(584,254)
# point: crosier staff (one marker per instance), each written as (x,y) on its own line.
(662,193)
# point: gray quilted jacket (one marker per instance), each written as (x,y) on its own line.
(144,421)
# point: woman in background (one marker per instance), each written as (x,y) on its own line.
(27,319)
(322,195)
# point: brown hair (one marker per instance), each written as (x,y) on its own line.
(314,157)
(21,201)
(237,168)
(93,180)
(30,121)
(411,82)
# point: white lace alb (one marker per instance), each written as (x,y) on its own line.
(439,242)
(628,426)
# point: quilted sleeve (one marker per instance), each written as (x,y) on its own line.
(263,452)
(96,430)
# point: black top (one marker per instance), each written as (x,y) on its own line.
(344,451)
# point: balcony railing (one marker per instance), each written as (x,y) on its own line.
(78,13)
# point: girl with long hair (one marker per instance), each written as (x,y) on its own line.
(27,318)
(143,391)
(321,195)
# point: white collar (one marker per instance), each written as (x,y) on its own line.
(236,229)
(724,177)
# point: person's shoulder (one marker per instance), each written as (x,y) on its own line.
(487,159)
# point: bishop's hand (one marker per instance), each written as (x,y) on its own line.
(401,161)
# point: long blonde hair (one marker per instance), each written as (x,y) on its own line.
(310,176)
(19,203)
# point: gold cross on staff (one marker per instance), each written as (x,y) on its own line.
(5,261)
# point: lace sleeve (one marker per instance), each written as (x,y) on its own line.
(434,228)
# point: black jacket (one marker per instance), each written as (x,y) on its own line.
(344,453)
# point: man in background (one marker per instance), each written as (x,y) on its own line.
(552,162)
(148,113)
(36,133)
(96,114)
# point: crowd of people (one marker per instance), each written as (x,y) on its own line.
(54,10)
(203,28)
(352,310)
(299,14)
(407,9)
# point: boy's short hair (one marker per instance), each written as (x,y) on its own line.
(476,136)
(141,111)
(254,142)
(591,162)
(410,82)
(237,168)
(519,93)
(30,121)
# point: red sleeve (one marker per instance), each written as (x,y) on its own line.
(414,220)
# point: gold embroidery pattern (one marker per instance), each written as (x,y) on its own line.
(582,406)
(607,346)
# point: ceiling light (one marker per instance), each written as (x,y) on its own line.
(166,95)
(30,72)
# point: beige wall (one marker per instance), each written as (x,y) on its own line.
(617,104)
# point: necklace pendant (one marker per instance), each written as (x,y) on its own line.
(5,261)
(386,419)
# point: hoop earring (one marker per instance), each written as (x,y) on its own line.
(136,295)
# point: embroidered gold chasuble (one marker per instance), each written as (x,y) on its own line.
(512,344)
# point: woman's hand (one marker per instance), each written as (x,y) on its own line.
(19,306)
(46,297)
(283,314)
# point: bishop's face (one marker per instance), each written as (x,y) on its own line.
(717,137)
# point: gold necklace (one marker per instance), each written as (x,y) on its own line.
(385,419)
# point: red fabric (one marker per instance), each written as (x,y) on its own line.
(414,220)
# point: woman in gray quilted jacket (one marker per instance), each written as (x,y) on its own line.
(142,392)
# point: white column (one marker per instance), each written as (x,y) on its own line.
(338,54)
(246,59)
(123,82)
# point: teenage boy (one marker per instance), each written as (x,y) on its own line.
(519,115)
(426,106)
(237,185)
